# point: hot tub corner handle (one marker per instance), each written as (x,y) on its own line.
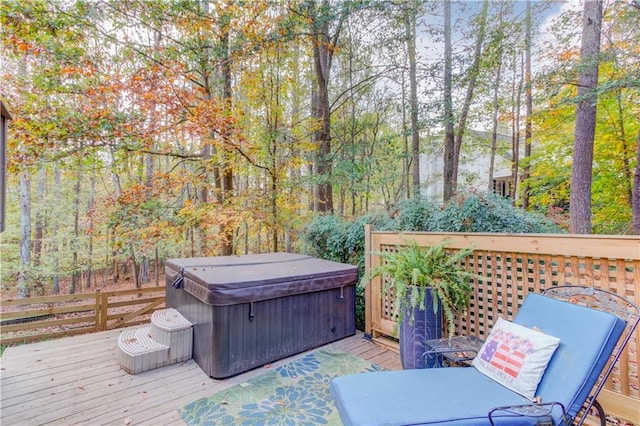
(177,283)
(251,314)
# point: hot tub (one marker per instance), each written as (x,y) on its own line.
(251,310)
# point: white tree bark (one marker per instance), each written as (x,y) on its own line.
(25,234)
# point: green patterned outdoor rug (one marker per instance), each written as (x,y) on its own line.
(296,393)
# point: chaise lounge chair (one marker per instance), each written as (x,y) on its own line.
(592,326)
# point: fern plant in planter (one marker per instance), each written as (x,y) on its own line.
(422,276)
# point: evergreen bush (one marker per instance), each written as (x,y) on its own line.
(473,212)
(338,239)
(415,214)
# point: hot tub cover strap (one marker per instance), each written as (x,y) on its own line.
(177,283)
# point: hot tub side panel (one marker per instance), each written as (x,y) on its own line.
(280,327)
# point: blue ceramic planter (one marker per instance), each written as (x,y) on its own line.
(427,325)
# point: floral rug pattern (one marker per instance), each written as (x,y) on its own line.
(296,393)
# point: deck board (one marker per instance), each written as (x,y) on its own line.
(77,380)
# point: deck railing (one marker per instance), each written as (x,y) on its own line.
(66,315)
(516,264)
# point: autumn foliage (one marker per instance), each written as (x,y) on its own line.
(145,130)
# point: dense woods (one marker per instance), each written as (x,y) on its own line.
(144,130)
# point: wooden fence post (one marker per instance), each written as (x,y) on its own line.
(97,316)
(104,310)
(367,286)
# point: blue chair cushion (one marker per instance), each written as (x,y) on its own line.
(464,396)
(587,339)
(460,396)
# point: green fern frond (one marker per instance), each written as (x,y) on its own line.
(414,267)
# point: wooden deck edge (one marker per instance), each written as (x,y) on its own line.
(387,343)
(620,406)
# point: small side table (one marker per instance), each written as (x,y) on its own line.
(458,350)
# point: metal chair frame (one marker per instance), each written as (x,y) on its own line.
(593,298)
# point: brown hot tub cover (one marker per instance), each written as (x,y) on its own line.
(231,280)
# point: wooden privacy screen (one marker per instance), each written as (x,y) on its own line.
(516,264)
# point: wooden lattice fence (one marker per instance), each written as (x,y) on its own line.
(514,265)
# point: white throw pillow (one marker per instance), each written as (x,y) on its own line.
(516,357)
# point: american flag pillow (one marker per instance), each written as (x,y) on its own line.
(516,357)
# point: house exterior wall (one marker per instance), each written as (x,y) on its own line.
(473,168)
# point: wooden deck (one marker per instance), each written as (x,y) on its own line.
(77,380)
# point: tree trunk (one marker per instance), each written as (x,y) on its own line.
(114,254)
(626,152)
(116,183)
(323,45)
(473,72)
(449,137)
(227,173)
(54,230)
(148,159)
(529,108)
(323,168)
(636,191)
(581,171)
(496,107)
(410,22)
(144,270)
(406,161)
(516,134)
(494,126)
(156,267)
(353,132)
(40,218)
(90,214)
(25,235)
(75,274)
(136,266)
(294,171)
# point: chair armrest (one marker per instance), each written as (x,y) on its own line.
(466,351)
(542,411)
(456,349)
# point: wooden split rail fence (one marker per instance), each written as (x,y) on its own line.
(516,264)
(66,315)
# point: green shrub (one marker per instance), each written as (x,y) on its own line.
(341,240)
(415,214)
(333,238)
(472,212)
(324,237)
